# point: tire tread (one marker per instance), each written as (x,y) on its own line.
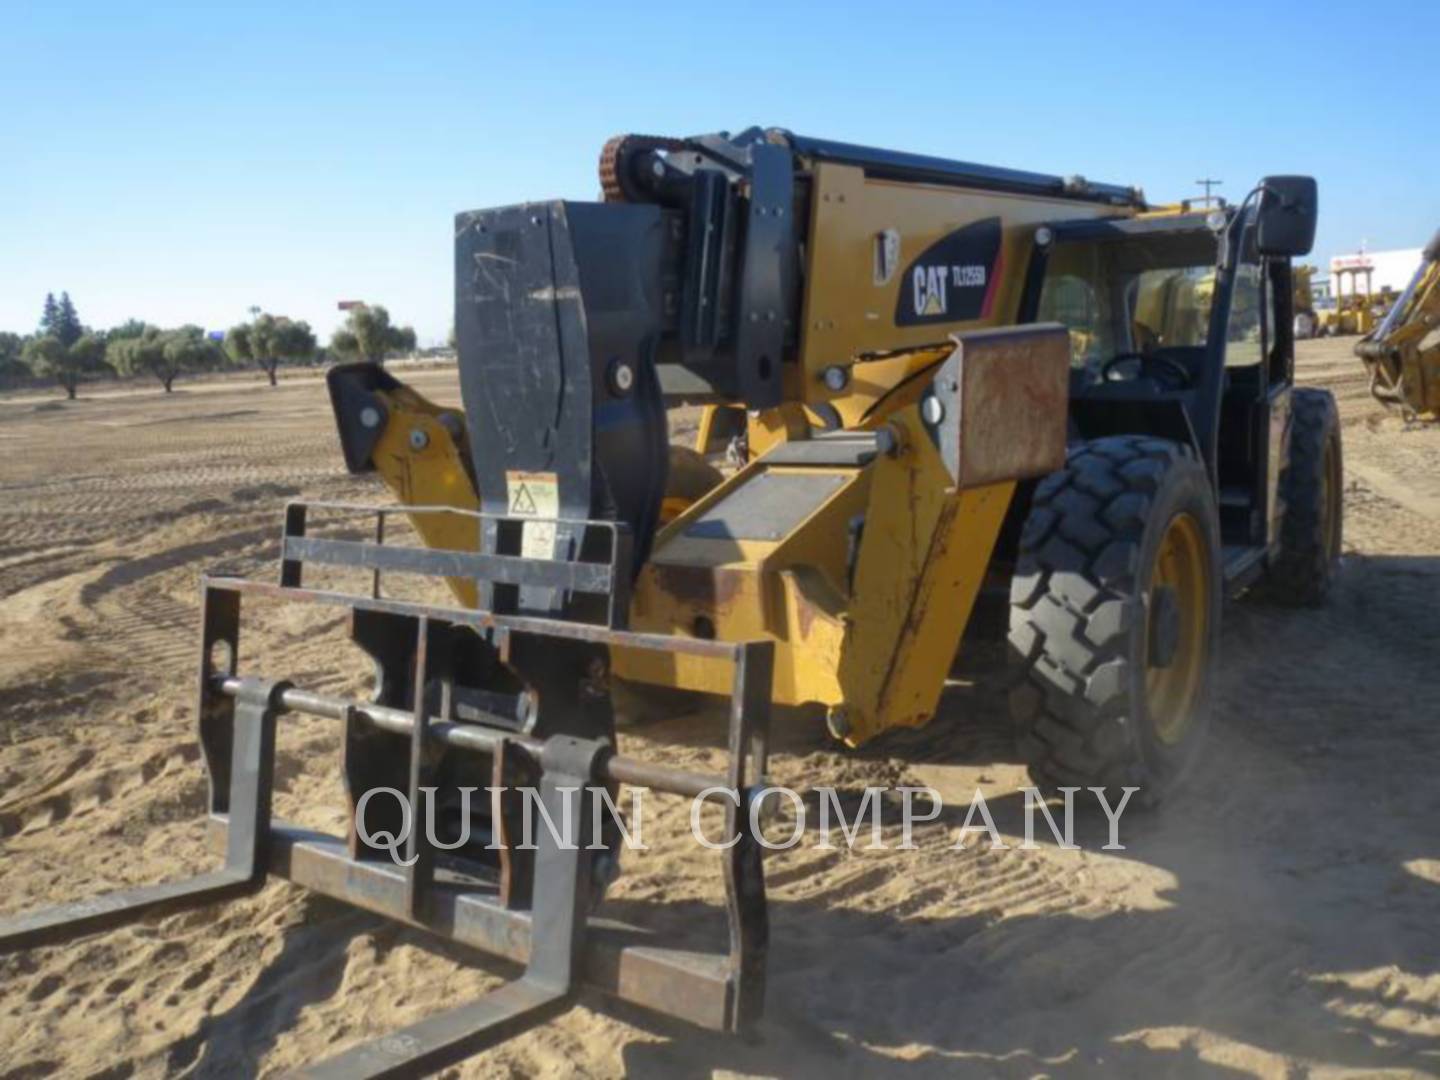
(1073,609)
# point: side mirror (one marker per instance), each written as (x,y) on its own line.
(1285,221)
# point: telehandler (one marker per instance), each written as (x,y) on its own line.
(965,402)
(1403,352)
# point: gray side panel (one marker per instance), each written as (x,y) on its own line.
(767,507)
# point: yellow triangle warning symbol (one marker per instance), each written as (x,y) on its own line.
(521,501)
(932,305)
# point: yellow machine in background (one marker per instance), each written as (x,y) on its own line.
(1403,352)
(1356,311)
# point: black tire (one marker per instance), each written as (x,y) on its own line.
(1081,624)
(1312,521)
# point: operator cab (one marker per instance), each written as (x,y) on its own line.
(1181,326)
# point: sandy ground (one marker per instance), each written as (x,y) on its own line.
(1278,918)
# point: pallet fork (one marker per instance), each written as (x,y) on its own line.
(538,915)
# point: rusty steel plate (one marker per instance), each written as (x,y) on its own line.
(1003,396)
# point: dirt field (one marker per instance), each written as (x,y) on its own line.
(1279,918)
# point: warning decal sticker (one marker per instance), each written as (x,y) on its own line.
(537,495)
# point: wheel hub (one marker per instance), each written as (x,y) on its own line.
(1177,638)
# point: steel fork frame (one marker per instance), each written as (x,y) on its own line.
(561,947)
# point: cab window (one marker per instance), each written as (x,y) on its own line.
(1171,307)
(1135,294)
(1070,299)
(1244,333)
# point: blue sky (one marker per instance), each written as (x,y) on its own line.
(183,162)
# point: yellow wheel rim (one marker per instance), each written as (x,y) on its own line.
(1178,629)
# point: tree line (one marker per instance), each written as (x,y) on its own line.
(65,349)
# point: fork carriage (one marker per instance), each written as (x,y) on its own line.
(428,729)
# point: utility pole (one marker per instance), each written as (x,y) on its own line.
(1209,184)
